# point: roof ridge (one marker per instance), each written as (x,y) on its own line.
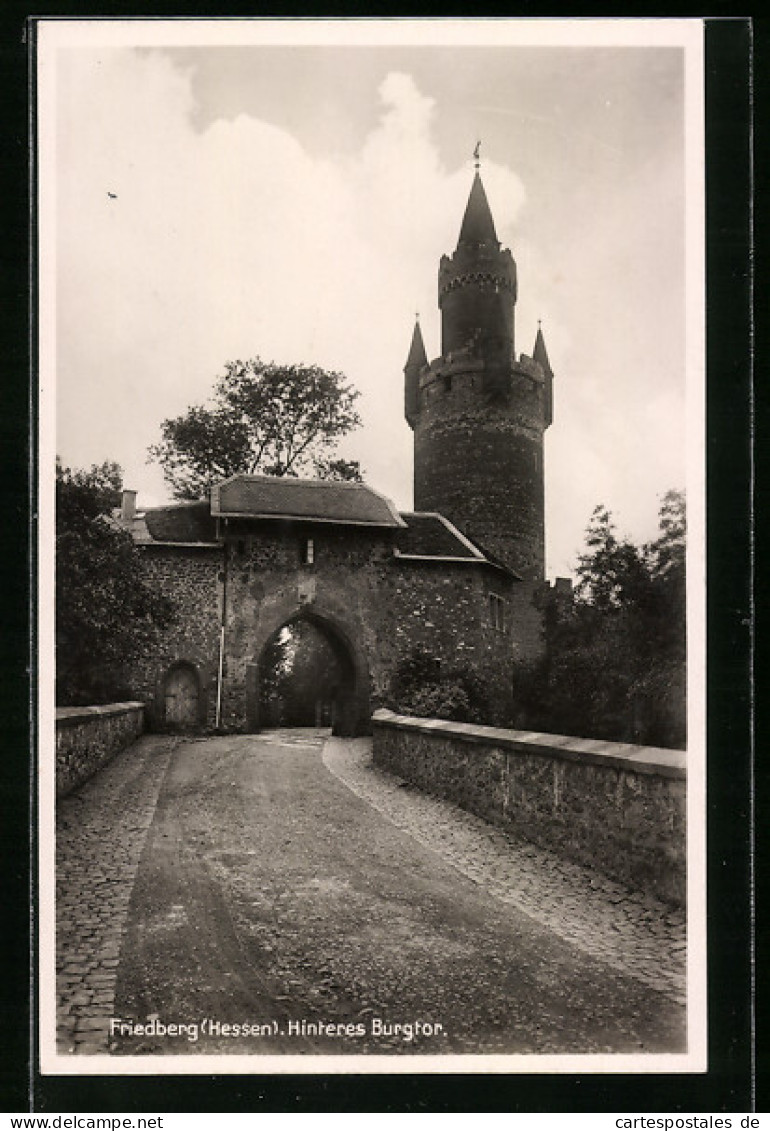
(245,495)
(477,551)
(306,482)
(177,503)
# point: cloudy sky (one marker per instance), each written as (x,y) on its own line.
(215,201)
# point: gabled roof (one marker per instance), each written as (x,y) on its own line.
(478,225)
(429,536)
(303,500)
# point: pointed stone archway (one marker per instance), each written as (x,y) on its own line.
(352,710)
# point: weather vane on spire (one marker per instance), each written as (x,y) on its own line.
(476,157)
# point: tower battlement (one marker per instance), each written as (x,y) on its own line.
(464,361)
(485,268)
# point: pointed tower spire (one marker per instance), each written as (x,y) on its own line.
(540,354)
(477,226)
(415,362)
(477,291)
(417,355)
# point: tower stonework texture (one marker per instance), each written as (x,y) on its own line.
(478,412)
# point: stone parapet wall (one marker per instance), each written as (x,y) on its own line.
(611,806)
(89,737)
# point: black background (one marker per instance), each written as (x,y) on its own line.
(736,1081)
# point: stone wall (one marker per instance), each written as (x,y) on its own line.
(89,737)
(269,586)
(191,577)
(612,806)
(381,608)
(480,464)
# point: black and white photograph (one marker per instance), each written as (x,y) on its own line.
(372,519)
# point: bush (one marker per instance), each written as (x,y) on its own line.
(420,687)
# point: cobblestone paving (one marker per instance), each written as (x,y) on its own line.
(100,832)
(632,932)
(102,827)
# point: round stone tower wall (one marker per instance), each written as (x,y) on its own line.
(478,458)
(480,318)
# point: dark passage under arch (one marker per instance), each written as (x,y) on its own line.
(307,675)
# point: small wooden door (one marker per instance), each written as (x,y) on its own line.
(182,699)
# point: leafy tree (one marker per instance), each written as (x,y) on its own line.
(616,664)
(263,417)
(106,613)
(83,495)
(342,470)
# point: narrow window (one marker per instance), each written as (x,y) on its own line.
(498,612)
(307,553)
(447,382)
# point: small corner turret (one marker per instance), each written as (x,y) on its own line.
(415,363)
(540,355)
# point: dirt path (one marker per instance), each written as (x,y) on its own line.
(270,896)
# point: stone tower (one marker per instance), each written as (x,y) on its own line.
(477,412)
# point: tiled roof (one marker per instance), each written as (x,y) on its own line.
(311,500)
(182,522)
(429,536)
(420,536)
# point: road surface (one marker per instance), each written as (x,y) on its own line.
(274,910)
